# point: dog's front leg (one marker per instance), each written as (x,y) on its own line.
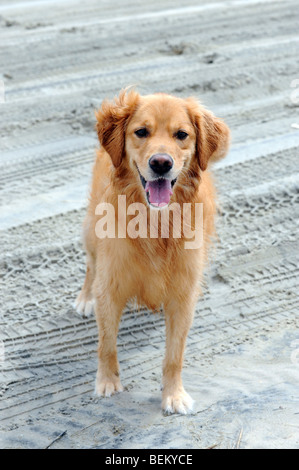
(178,319)
(108,314)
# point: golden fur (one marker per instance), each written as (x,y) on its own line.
(155,271)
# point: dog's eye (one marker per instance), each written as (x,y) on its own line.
(181,135)
(143,132)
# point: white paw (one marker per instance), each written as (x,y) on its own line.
(179,402)
(84,307)
(107,387)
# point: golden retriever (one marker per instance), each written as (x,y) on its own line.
(155,151)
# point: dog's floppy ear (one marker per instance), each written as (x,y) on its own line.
(111,123)
(212,134)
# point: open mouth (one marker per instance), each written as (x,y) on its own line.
(158,191)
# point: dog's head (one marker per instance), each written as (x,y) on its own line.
(160,137)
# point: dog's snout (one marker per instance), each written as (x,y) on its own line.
(161,163)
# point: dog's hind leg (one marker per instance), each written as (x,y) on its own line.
(84,303)
(108,314)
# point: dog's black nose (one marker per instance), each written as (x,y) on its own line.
(161,163)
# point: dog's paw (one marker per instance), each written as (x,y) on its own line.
(84,306)
(108,386)
(179,402)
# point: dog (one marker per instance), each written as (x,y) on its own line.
(155,150)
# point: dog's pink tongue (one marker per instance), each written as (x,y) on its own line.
(159,192)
